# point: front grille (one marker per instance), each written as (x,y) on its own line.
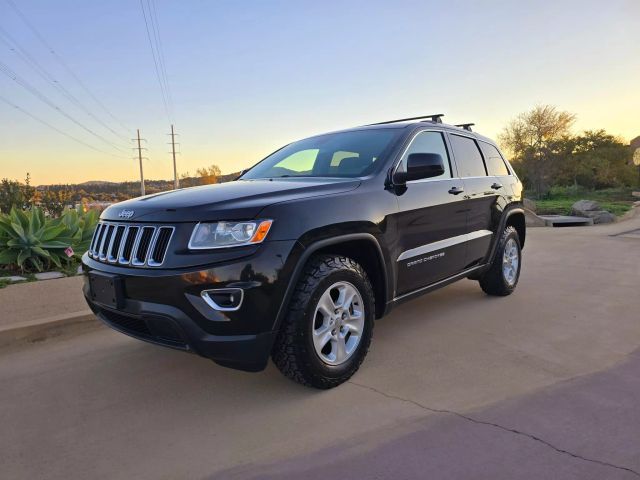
(127,244)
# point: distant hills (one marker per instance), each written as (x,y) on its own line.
(96,183)
(109,192)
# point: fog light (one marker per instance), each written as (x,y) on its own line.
(223,299)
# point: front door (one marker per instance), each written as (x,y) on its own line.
(431,221)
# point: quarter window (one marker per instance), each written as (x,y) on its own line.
(493,159)
(429,142)
(468,157)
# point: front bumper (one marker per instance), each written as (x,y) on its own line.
(164,307)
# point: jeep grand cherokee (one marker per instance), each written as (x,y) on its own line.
(300,255)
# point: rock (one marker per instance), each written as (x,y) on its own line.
(580,208)
(529,204)
(48,275)
(601,216)
(533,220)
(14,279)
(635,194)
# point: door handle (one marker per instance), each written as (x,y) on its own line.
(456,190)
(496,186)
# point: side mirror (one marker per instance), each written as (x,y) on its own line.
(420,165)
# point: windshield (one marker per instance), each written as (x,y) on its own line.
(344,154)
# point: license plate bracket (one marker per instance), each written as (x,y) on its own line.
(106,289)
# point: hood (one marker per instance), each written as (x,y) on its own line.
(239,200)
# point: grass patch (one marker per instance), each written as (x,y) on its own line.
(562,206)
(559,200)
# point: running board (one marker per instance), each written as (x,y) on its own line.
(438,284)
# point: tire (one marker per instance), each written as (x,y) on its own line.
(299,351)
(500,280)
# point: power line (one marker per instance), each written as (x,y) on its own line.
(40,70)
(64,65)
(156,62)
(44,122)
(163,65)
(43,98)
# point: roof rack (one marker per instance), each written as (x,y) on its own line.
(466,126)
(434,118)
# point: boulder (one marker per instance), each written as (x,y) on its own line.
(529,204)
(533,220)
(600,216)
(580,208)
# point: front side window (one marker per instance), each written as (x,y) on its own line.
(493,159)
(429,142)
(468,157)
(342,154)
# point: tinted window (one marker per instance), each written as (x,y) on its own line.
(493,159)
(343,154)
(430,142)
(468,157)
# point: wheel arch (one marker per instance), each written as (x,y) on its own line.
(361,247)
(515,218)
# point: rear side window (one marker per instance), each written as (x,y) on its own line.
(429,142)
(493,159)
(468,157)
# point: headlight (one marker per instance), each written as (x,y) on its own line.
(228,234)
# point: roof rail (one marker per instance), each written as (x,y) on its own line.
(466,126)
(434,118)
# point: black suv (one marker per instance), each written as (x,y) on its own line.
(298,256)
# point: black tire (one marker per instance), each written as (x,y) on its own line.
(294,353)
(493,281)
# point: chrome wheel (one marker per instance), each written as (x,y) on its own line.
(510,262)
(338,323)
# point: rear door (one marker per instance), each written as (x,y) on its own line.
(431,221)
(481,194)
(497,167)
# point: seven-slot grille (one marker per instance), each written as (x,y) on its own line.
(137,245)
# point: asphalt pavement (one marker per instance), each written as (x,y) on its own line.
(540,384)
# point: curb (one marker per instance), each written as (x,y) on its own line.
(39,330)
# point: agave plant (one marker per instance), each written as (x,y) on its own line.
(81,228)
(29,240)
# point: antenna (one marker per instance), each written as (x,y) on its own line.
(466,126)
(434,118)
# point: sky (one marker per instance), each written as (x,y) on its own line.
(247,77)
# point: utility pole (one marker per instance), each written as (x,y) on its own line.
(176,184)
(140,157)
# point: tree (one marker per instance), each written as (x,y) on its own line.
(11,194)
(55,201)
(530,138)
(209,175)
(29,191)
(601,160)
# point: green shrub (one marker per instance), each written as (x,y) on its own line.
(31,241)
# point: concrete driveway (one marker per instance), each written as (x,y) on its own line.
(541,384)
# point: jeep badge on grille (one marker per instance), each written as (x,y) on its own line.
(126,214)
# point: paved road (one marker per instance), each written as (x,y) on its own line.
(541,384)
